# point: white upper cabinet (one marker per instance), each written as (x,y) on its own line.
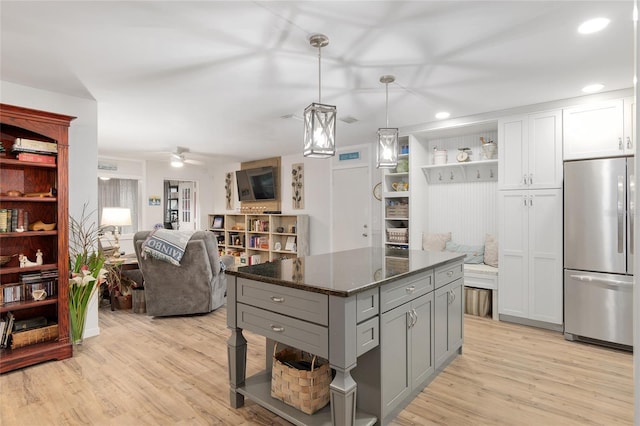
(598,130)
(530,151)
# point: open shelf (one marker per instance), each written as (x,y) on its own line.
(258,389)
(471,171)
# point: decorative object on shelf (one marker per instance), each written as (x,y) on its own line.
(377,191)
(277,246)
(400,186)
(14,193)
(116,217)
(87,271)
(38,295)
(6,259)
(25,262)
(41,226)
(439,156)
(489,148)
(228,189)
(403,166)
(39,256)
(319,118)
(464,155)
(297,185)
(387,147)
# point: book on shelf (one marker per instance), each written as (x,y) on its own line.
(36,158)
(32,336)
(30,145)
(6,338)
(12,293)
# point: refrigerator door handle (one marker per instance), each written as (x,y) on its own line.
(621,214)
(604,282)
(632,210)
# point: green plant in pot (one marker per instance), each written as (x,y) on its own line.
(86,270)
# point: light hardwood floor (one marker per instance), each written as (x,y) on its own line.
(173,371)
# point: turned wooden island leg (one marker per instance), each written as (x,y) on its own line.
(343,390)
(237,357)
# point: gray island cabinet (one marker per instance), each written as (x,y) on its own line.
(386,334)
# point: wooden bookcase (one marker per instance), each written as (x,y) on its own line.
(28,177)
(262,235)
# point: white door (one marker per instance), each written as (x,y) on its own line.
(545,150)
(594,130)
(187,206)
(512,161)
(351,198)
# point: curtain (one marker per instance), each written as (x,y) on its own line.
(119,193)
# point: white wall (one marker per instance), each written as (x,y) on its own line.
(83,152)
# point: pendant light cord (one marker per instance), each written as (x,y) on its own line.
(319,75)
(386,106)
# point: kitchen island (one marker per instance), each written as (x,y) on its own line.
(386,320)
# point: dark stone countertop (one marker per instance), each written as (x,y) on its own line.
(348,272)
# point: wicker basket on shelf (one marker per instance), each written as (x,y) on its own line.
(397,235)
(306,390)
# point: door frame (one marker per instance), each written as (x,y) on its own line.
(338,163)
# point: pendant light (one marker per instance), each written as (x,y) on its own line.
(387,152)
(319,119)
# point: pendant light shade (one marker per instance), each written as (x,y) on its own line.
(387,149)
(319,119)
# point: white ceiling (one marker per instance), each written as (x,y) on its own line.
(216,77)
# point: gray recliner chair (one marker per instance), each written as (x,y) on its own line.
(197,286)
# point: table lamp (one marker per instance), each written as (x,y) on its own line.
(116,217)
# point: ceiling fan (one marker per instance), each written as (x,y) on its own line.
(178,157)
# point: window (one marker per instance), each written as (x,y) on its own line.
(119,193)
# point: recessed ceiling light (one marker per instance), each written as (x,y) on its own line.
(592,88)
(442,115)
(593,25)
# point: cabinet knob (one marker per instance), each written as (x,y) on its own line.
(411,289)
(277,299)
(449,273)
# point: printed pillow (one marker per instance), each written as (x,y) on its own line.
(474,254)
(491,250)
(435,242)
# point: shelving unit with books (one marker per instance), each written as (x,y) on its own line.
(259,238)
(40,191)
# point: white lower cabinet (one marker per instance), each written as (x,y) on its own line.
(449,307)
(406,333)
(531,255)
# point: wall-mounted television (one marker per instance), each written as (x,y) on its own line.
(256,184)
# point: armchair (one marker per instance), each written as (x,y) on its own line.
(196,286)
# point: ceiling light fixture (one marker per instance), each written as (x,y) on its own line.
(442,115)
(387,153)
(593,25)
(319,119)
(592,88)
(177,160)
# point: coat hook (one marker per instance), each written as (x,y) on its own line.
(439,176)
(478,174)
(451,177)
(490,172)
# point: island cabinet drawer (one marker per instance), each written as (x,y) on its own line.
(449,273)
(290,331)
(397,293)
(367,335)
(367,305)
(288,301)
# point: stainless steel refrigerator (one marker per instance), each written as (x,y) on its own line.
(598,249)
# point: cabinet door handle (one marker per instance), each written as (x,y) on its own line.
(524,179)
(628,142)
(410,319)
(277,299)
(531,179)
(277,328)
(415,317)
(411,289)
(620,146)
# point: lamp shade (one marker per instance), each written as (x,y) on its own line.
(319,131)
(116,216)
(387,152)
